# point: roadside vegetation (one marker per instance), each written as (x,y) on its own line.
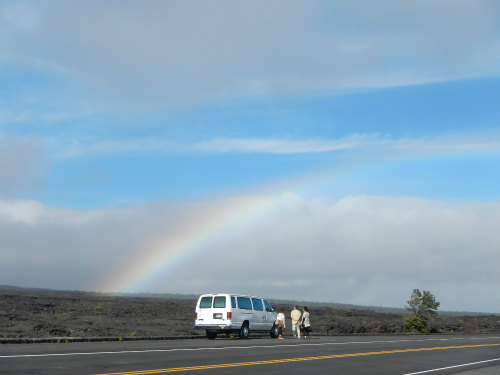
(423,308)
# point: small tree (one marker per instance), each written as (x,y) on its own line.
(423,306)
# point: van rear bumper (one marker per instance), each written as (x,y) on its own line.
(215,327)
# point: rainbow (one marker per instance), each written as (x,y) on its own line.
(165,254)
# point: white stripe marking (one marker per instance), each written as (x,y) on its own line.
(450,367)
(234,347)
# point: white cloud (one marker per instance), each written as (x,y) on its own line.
(276,146)
(22,164)
(373,142)
(147,53)
(33,213)
(447,143)
(364,250)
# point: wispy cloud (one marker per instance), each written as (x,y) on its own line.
(276,146)
(372,142)
(450,143)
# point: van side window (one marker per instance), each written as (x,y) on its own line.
(219,302)
(233,302)
(268,306)
(206,303)
(244,303)
(257,304)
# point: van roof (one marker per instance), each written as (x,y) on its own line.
(230,294)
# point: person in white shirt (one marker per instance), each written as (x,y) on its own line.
(280,322)
(295,315)
(306,322)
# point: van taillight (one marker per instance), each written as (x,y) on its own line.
(196,315)
(229,315)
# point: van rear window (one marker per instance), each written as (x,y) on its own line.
(244,303)
(206,303)
(219,302)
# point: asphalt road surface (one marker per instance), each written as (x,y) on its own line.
(401,355)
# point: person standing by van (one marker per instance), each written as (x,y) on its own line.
(280,322)
(295,315)
(305,324)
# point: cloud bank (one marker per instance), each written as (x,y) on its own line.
(183,53)
(361,249)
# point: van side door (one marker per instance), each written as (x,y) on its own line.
(259,316)
(246,310)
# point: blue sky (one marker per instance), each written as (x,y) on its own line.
(195,104)
(105,159)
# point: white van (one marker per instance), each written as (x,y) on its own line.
(227,313)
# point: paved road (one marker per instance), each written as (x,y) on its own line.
(401,355)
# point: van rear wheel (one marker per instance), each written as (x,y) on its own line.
(211,335)
(244,331)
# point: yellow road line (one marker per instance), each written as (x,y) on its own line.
(286,360)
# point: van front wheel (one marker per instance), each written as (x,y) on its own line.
(244,332)
(274,331)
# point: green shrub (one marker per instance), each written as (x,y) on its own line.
(415,323)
